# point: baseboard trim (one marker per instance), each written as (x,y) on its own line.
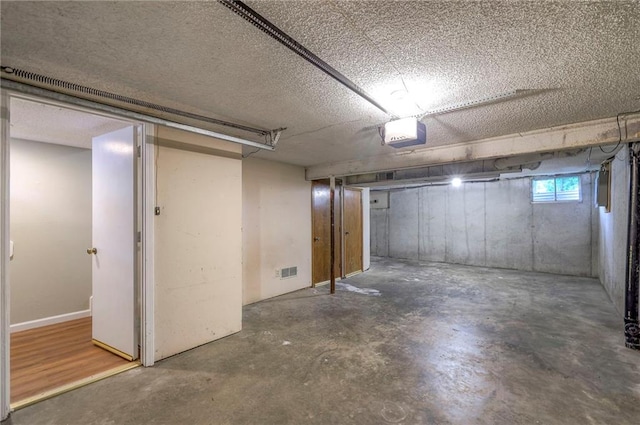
(32,324)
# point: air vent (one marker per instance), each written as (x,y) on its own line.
(387,175)
(288,272)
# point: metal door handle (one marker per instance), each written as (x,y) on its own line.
(346,233)
(92,251)
(316,239)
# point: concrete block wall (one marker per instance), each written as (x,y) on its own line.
(613,233)
(491,224)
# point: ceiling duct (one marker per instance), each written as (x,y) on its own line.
(434,173)
(257,20)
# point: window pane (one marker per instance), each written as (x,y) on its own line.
(568,184)
(544,190)
(568,188)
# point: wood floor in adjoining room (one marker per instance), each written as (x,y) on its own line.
(49,357)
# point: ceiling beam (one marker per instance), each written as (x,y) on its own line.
(572,136)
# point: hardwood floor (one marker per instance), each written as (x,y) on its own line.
(49,357)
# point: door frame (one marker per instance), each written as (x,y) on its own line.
(344,249)
(337,230)
(145,180)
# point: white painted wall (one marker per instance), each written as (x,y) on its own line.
(612,253)
(50,203)
(276,217)
(198,241)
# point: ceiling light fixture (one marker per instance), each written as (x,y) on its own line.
(405,132)
(456,182)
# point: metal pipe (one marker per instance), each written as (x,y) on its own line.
(332,197)
(113,110)
(631,325)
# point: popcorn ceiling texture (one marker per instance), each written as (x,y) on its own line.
(202,58)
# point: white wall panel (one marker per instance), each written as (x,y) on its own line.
(198,235)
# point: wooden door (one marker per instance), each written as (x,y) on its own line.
(321,231)
(113,251)
(352,230)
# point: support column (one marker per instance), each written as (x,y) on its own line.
(631,326)
(332,198)
(5,340)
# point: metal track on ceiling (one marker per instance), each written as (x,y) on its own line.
(257,20)
(43,93)
(50,82)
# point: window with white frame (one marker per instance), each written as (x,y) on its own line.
(556,189)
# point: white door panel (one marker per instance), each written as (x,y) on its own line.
(114,241)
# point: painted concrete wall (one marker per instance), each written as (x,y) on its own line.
(276,228)
(490,224)
(198,241)
(613,233)
(50,273)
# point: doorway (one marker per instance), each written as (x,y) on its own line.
(321,231)
(349,222)
(353,229)
(65,210)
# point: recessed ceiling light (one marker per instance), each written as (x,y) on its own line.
(456,182)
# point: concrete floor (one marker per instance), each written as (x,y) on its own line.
(441,344)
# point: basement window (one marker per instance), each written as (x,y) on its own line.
(556,189)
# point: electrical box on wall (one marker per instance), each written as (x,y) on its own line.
(603,187)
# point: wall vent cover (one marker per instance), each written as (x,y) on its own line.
(289,272)
(386,175)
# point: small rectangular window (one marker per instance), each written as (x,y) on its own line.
(556,189)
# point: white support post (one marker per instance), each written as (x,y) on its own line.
(4,260)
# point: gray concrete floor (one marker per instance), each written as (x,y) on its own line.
(441,344)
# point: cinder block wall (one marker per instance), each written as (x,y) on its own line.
(491,224)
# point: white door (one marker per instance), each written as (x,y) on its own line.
(114,244)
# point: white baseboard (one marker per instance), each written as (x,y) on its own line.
(32,324)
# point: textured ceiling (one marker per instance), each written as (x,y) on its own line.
(584,58)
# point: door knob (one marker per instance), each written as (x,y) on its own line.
(316,239)
(346,233)
(92,251)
